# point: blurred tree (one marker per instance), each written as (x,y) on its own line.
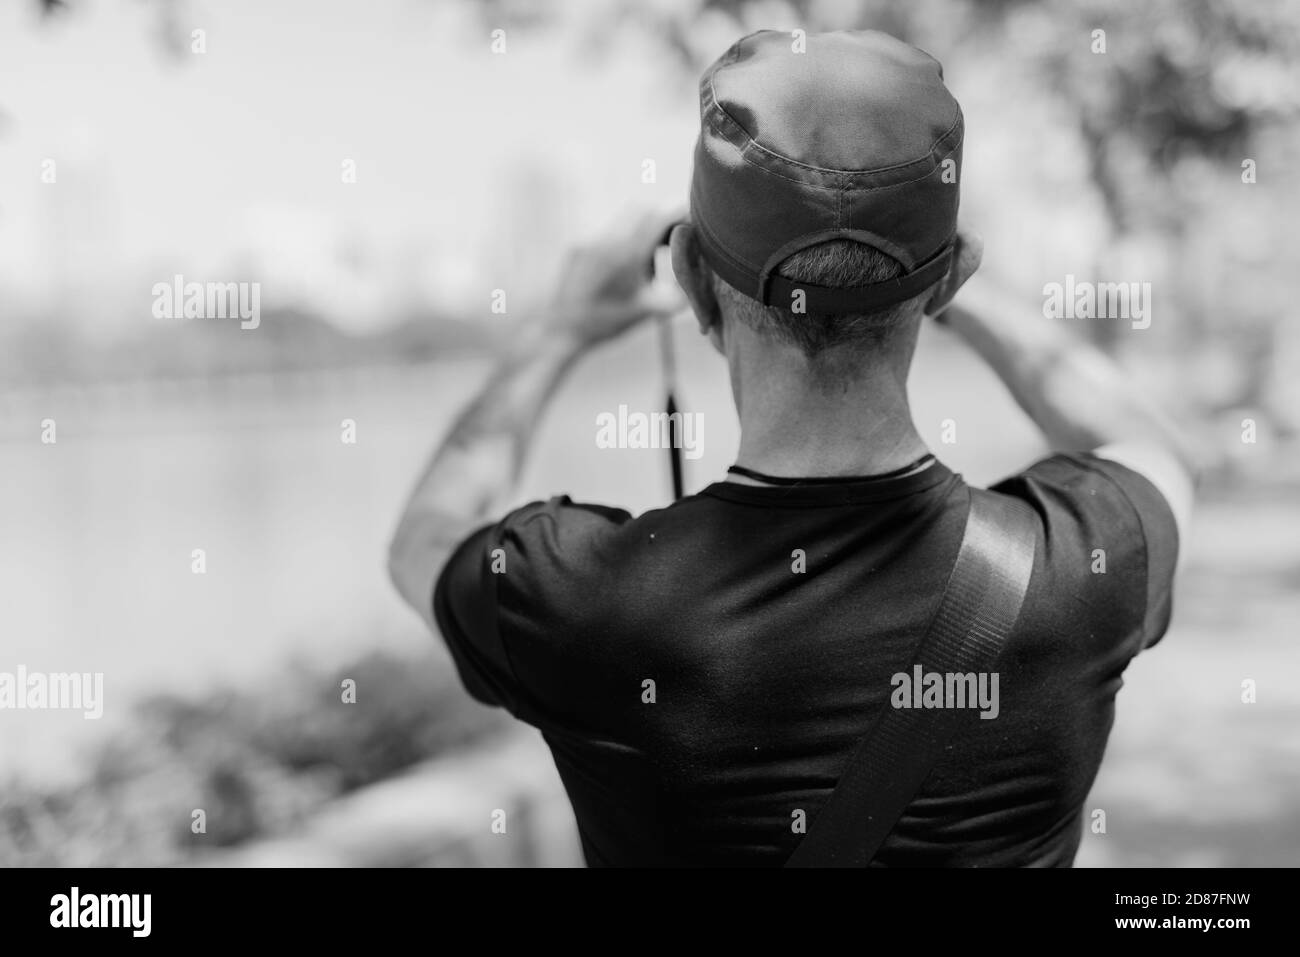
(1183,85)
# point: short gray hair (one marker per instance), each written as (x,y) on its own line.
(837,262)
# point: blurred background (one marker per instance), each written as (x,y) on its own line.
(380,169)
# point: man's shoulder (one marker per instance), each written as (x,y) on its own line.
(580,531)
(558,547)
(1107,551)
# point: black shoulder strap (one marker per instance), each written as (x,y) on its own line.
(978,610)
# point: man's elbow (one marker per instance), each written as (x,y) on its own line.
(417,552)
(413,564)
(397,552)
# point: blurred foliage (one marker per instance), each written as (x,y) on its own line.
(255,759)
(1183,78)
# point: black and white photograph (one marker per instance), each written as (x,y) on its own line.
(689,434)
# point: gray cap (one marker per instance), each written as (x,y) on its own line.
(854,138)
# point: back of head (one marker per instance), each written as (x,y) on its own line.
(825,189)
(836,263)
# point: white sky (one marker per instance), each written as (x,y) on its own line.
(197,164)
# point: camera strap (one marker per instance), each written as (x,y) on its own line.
(669,360)
(976,615)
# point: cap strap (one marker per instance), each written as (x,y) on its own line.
(869,297)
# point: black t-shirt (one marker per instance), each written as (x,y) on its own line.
(703,672)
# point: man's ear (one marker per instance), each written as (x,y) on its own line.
(968,251)
(694,277)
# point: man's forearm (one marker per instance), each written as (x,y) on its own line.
(478,462)
(604,290)
(1077,396)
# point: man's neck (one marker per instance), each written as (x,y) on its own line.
(861,426)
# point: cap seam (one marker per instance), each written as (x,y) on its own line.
(930,154)
(802,183)
(818,186)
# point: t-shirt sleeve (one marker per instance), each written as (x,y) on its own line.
(516,561)
(1105,518)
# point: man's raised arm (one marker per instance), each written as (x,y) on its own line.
(603,292)
(1080,399)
